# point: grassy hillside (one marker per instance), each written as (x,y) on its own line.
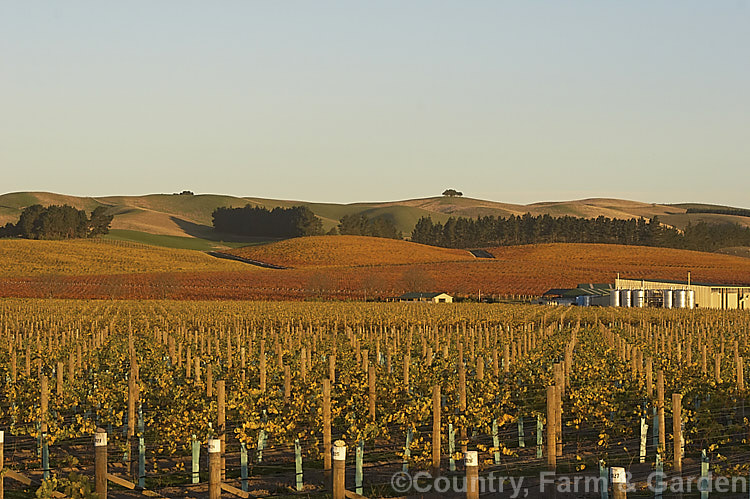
(190,216)
(89,257)
(179,242)
(347,251)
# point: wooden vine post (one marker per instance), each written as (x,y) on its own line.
(462,401)
(132,401)
(209,380)
(436,409)
(287,383)
(100,461)
(371,387)
(551,429)
(660,411)
(2,464)
(327,431)
(221,400)
(44,426)
(263,373)
(740,374)
(407,361)
(472,474)
(133,395)
(619,483)
(559,390)
(339,469)
(214,468)
(717,368)
(59,385)
(677,431)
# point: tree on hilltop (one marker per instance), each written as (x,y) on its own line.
(452,193)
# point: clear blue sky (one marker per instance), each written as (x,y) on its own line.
(376,100)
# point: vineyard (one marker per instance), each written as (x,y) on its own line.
(346,251)
(337,267)
(22,257)
(406,387)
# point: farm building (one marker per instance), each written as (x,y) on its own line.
(583,294)
(426,297)
(679,294)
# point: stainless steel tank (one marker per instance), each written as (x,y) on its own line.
(614,298)
(680,298)
(667,298)
(638,298)
(625,298)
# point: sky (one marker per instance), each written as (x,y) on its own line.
(355,100)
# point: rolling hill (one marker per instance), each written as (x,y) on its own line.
(20,257)
(189,216)
(348,251)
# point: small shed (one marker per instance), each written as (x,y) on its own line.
(426,297)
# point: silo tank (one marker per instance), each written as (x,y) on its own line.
(614,298)
(680,298)
(639,298)
(667,298)
(625,298)
(690,298)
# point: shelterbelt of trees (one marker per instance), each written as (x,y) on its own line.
(58,222)
(527,229)
(295,222)
(260,222)
(488,231)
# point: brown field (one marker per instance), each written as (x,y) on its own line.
(357,268)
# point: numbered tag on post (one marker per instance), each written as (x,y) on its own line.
(100,439)
(618,475)
(214,446)
(339,450)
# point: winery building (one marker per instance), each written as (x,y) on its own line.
(682,294)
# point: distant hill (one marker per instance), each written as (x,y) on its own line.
(172,217)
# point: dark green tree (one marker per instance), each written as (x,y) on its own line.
(99,222)
(57,222)
(361,225)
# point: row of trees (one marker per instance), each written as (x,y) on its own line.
(58,222)
(740,212)
(261,222)
(528,229)
(361,225)
(295,222)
